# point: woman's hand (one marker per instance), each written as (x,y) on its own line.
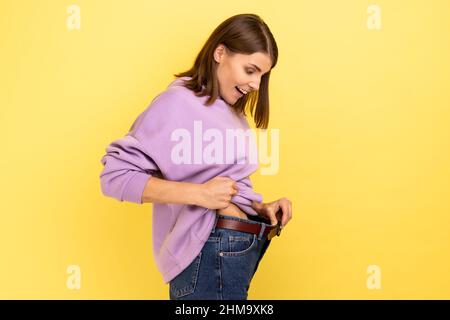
(269,211)
(217,192)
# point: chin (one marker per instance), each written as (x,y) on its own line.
(230,102)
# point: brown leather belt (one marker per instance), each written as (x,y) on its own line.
(255,228)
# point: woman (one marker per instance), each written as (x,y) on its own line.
(210,229)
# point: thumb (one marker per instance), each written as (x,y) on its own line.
(273,220)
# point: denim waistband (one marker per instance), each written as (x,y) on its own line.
(257,220)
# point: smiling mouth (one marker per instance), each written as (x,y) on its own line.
(240,91)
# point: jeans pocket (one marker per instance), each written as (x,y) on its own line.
(184,283)
(239,245)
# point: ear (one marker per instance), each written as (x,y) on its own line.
(219,52)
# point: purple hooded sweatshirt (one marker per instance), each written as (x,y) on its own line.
(171,139)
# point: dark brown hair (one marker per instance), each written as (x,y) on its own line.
(245,34)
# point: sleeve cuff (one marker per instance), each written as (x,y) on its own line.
(135,187)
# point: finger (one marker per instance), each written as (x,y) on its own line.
(270,215)
(290,210)
(273,220)
(285,217)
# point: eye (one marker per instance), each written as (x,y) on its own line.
(248,71)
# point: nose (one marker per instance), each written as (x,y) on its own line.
(253,86)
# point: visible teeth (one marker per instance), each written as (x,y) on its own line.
(243,91)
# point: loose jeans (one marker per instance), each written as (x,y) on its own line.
(224,267)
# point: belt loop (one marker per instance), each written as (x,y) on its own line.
(216,218)
(263,227)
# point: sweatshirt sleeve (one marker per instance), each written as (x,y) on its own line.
(144,151)
(127,168)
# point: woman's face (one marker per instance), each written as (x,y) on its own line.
(239,70)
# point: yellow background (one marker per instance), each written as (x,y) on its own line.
(364,144)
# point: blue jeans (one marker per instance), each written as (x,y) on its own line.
(224,267)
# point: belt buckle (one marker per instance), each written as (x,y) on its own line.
(275,231)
